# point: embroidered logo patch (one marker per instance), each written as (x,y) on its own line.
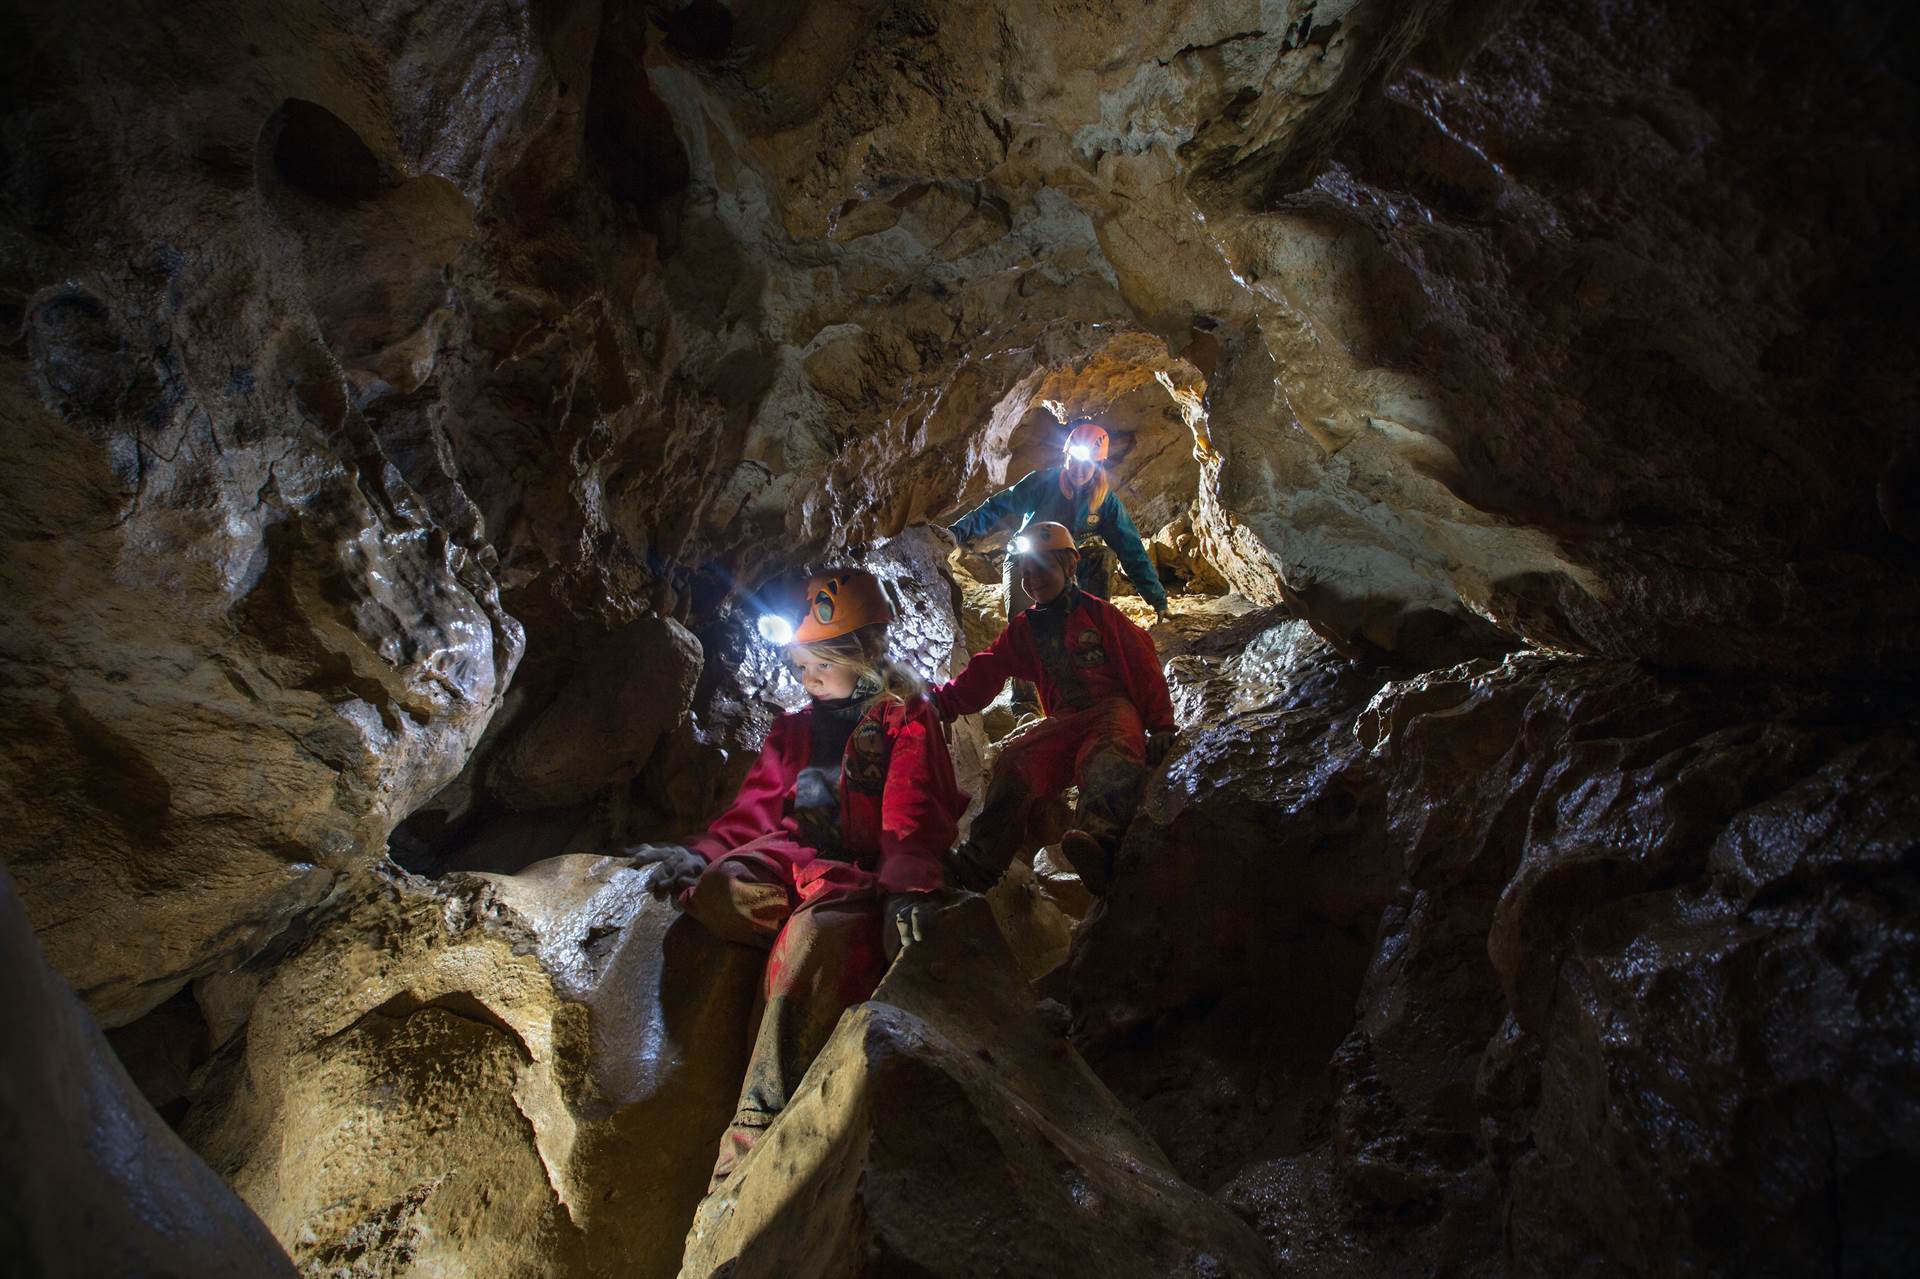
(1088,651)
(865,769)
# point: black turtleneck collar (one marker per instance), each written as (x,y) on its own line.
(1061,604)
(841,707)
(833,723)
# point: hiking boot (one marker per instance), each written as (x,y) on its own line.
(1091,860)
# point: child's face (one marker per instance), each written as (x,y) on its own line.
(822,679)
(1042,577)
(1079,473)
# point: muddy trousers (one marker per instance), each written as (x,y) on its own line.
(820,921)
(1102,749)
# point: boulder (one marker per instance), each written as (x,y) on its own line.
(944,1130)
(96,1183)
(498,1075)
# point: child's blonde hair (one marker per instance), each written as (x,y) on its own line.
(864,652)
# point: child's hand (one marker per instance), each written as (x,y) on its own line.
(906,919)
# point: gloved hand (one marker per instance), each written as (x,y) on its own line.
(679,867)
(1160,745)
(907,918)
(1161,613)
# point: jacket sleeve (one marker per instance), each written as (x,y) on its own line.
(986,674)
(993,512)
(1118,532)
(761,804)
(1146,680)
(920,804)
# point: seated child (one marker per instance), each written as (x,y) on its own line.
(852,800)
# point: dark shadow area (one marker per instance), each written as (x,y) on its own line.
(315,152)
(629,129)
(162,1050)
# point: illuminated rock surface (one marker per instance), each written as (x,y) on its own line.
(494,1076)
(945,1130)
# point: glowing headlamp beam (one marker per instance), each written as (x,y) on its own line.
(1080,452)
(1021,545)
(776,630)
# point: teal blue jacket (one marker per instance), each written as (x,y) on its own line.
(1038,497)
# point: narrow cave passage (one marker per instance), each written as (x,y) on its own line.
(410,415)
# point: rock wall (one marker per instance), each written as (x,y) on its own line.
(211,559)
(1480,322)
(1543,966)
(1587,308)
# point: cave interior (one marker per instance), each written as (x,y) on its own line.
(409,408)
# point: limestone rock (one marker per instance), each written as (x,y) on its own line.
(502,1075)
(1177,555)
(624,693)
(945,1131)
(344,343)
(1036,914)
(96,1183)
(1532,943)
(240,645)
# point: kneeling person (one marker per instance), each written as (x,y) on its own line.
(1108,716)
(830,853)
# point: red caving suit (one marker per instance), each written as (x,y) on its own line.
(813,893)
(1101,688)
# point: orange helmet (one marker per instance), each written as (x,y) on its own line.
(1042,538)
(840,603)
(1087,440)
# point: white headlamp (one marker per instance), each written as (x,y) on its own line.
(1080,452)
(1022,544)
(775,629)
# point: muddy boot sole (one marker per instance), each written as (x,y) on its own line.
(1090,860)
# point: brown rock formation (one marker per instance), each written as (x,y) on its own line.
(1547,965)
(502,1075)
(96,1184)
(945,1130)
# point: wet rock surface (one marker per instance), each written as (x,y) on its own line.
(1538,967)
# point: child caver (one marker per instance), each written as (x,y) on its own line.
(1108,717)
(838,830)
